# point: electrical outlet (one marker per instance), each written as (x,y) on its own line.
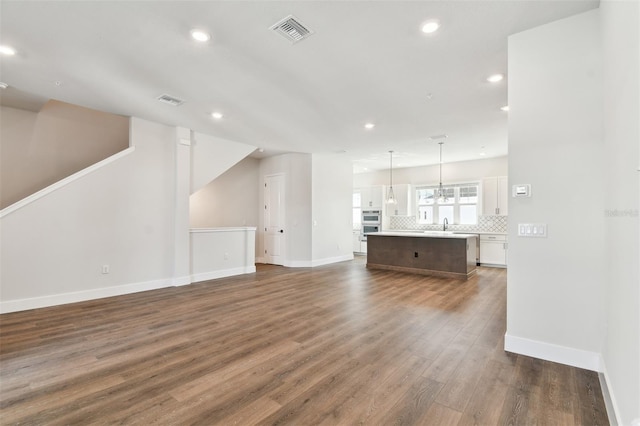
(105,269)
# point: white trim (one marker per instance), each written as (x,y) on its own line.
(180,281)
(222,273)
(81,296)
(318,262)
(329,260)
(236,229)
(551,352)
(260,260)
(297,263)
(609,397)
(64,182)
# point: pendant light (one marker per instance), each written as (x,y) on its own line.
(391,198)
(441,195)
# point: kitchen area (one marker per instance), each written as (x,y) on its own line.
(471,207)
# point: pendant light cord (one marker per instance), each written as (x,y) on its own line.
(390,169)
(441,194)
(391,197)
(441,164)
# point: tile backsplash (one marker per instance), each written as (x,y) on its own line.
(485,224)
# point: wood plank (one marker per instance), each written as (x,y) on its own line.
(337,344)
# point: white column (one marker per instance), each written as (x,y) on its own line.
(182,255)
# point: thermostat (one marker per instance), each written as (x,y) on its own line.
(522,190)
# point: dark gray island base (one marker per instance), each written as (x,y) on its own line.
(439,254)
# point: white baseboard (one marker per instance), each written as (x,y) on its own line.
(222,273)
(551,352)
(81,296)
(609,397)
(180,281)
(311,263)
(330,260)
(318,262)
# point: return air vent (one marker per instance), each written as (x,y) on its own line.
(291,29)
(170,100)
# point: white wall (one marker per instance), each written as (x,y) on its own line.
(555,285)
(297,172)
(332,203)
(122,215)
(222,252)
(232,199)
(211,156)
(620,30)
(451,172)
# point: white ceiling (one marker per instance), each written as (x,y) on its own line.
(367,61)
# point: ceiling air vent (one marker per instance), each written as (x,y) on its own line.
(291,29)
(170,100)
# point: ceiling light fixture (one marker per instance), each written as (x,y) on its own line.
(441,195)
(430,27)
(369,126)
(199,35)
(391,199)
(217,115)
(3,85)
(504,108)
(7,50)
(495,78)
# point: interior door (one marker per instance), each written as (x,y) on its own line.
(274,219)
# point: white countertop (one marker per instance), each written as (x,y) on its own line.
(404,231)
(423,234)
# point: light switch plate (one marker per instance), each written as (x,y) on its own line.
(532,230)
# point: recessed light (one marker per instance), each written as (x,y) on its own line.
(482,154)
(505,108)
(495,78)
(369,126)
(216,115)
(200,35)
(430,27)
(7,50)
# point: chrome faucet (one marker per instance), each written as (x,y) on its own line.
(445,224)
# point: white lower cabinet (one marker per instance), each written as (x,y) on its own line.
(493,249)
(356,241)
(358,246)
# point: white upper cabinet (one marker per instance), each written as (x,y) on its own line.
(495,196)
(371,197)
(403,197)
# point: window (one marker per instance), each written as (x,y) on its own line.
(357,210)
(460,208)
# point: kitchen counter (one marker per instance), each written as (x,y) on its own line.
(436,253)
(424,234)
(412,231)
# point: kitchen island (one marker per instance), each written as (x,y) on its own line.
(430,253)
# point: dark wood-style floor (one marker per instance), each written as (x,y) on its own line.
(337,344)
